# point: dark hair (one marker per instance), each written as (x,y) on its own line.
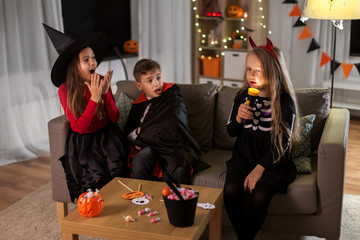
(144,66)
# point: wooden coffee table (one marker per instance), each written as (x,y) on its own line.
(110,223)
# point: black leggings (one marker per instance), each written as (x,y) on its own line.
(246,211)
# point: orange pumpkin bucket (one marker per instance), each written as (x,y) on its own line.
(90,204)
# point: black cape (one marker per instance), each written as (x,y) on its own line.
(165,129)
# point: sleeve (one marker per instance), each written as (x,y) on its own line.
(288,114)
(233,127)
(81,123)
(110,106)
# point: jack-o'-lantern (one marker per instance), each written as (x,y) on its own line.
(90,204)
(131,46)
(235,11)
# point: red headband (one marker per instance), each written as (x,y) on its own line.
(269,47)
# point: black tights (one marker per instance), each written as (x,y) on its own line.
(246,211)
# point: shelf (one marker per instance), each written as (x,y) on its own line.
(235,19)
(211,18)
(210,48)
(351,106)
(224,28)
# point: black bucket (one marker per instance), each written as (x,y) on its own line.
(181,213)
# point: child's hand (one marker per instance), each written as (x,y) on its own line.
(107,81)
(244,112)
(253,178)
(95,87)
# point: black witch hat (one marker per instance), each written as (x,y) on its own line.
(68,48)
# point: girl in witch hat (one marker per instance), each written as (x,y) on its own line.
(261,164)
(95,149)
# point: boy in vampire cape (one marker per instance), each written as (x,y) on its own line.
(158,131)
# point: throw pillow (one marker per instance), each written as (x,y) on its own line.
(124,103)
(302,154)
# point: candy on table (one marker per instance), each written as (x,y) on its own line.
(155,220)
(153,213)
(148,196)
(141,212)
(128,218)
(147,210)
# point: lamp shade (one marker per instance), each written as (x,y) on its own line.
(332,9)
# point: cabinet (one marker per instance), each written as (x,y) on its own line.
(225,56)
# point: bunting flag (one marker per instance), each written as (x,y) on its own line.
(305,33)
(313,46)
(347,68)
(357,65)
(337,64)
(290,1)
(296,11)
(299,23)
(324,59)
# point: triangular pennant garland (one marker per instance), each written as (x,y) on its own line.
(296,11)
(357,65)
(347,68)
(290,1)
(313,46)
(305,33)
(337,64)
(299,23)
(324,59)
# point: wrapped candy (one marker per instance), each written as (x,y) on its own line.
(128,218)
(153,213)
(141,212)
(155,220)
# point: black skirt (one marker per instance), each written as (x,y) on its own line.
(91,160)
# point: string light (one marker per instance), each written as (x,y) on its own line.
(261,18)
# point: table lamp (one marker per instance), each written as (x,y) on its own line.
(337,11)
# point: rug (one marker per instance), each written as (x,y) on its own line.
(34,217)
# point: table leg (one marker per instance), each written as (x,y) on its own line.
(70,236)
(215,224)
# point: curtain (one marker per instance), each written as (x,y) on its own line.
(165,36)
(28,98)
(304,68)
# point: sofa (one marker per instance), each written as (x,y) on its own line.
(313,203)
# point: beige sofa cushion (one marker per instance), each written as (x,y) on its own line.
(301,196)
(314,101)
(224,104)
(214,176)
(200,106)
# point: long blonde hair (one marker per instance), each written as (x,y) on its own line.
(76,91)
(277,78)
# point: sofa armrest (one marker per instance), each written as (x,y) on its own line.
(331,166)
(58,130)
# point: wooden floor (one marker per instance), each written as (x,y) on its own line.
(19,179)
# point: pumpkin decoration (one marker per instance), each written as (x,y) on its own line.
(90,204)
(235,11)
(131,46)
